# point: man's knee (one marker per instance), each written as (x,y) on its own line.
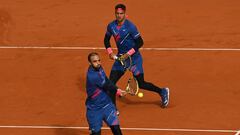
(140,80)
(142,84)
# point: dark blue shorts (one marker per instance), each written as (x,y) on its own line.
(136,68)
(106,114)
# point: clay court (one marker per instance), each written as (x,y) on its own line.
(193,47)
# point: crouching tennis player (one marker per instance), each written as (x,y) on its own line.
(99,105)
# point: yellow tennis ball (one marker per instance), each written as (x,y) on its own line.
(140,94)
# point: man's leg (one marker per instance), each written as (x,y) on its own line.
(116,130)
(146,85)
(111,119)
(163,92)
(97,133)
(94,119)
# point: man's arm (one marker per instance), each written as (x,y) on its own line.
(138,45)
(107,40)
(109,86)
(137,38)
(108,46)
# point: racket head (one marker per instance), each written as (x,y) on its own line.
(126,63)
(132,86)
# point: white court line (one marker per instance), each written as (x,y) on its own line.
(132,129)
(238,133)
(102,48)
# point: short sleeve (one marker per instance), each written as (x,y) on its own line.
(134,31)
(108,32)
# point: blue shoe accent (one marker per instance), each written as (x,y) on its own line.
(165,97)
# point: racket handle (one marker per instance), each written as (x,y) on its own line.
(117,58)
(121,62)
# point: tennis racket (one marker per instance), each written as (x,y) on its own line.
(132,87)
(126,63)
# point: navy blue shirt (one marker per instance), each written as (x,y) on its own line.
(124,35)
(96,95)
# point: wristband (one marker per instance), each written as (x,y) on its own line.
(119,92)
(131,52)
(109,50)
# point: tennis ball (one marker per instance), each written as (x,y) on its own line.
(140,94)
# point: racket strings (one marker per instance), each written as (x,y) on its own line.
(133,86)
(126,63)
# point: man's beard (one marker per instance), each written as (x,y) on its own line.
(120,20)
(96,68)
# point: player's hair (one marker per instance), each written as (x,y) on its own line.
(92,54)
(122,6)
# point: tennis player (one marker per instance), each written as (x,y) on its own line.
(128,41)
(98,103)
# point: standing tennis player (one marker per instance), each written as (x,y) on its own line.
(98,103)
(128,41)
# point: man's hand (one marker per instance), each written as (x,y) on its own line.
(112,56)
(124,56)
(121,93)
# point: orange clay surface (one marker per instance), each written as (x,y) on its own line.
(47,86)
